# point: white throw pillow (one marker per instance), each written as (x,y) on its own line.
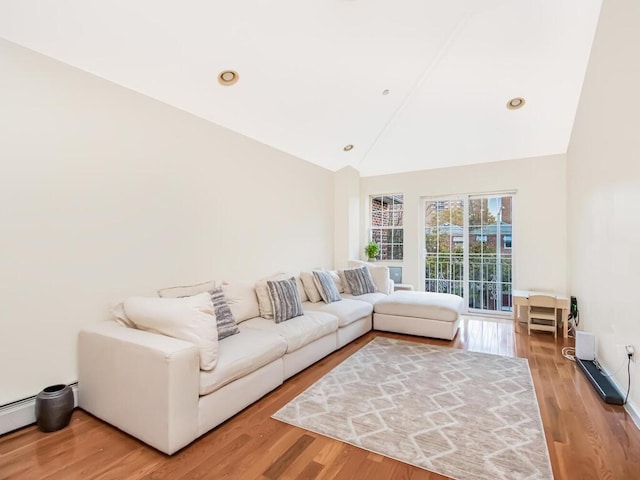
(190,318)
(379,273)
(186,291)
(118,313)
(310,287)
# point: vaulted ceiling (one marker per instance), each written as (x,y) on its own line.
(411,84)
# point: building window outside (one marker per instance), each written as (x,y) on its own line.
(386,225)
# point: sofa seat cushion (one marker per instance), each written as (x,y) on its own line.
(241,354)
(298,331)
(435,306)
(347,310)
(370,298)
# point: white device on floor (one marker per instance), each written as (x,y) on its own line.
(585,346)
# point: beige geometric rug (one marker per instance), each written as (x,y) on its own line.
(462,414)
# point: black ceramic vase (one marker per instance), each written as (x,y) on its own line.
(54,406)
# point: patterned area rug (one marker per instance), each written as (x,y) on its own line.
(462,414)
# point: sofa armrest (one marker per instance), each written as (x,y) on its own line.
(392,286)
(145,384)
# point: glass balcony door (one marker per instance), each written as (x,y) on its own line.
(468,250)
(444,246)
(490,243)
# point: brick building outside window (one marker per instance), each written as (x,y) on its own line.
(386,225)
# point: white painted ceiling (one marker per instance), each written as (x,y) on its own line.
(312,72)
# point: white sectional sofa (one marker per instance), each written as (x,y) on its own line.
(152,387)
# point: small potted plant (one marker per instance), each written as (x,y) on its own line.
(372,250)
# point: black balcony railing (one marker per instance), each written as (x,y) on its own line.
(490,278)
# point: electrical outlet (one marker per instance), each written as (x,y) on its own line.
(630,352)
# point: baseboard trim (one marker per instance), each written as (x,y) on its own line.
(633,413)
(630,408)
(22,413)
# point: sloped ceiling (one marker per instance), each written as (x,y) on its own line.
(312,73)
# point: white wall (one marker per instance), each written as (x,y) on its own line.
(539,230)
(106,193)
(603,164)
(346,216)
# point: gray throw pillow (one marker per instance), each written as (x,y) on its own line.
(359,280)
(326,286)
(224,318)
(285,299)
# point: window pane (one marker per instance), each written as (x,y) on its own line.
(396,214)
(387,211)
(376,212)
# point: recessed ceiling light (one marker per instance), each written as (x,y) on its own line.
(515,103)
(348,148)
(227,77)
(385,91)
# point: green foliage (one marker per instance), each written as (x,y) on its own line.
(372,250)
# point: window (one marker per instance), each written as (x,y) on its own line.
(479,267)
(386,225)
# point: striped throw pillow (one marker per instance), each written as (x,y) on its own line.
(326,286)
(285,299)
(224,318)
(359,280)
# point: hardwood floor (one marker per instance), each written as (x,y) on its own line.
(587,438)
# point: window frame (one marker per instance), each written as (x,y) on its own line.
(392,246)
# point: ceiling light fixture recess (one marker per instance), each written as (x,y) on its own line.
(348,148)
(227,77)
(515,103)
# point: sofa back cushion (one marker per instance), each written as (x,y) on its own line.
(242,300)
(190,318)
(337,280)
(224,316)
(379,274)
(310,287)
(345,285)
(187,290)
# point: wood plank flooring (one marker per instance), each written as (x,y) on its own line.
(587,439)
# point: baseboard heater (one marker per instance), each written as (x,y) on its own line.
(602,384)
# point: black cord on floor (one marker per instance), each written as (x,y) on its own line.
(629,377)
